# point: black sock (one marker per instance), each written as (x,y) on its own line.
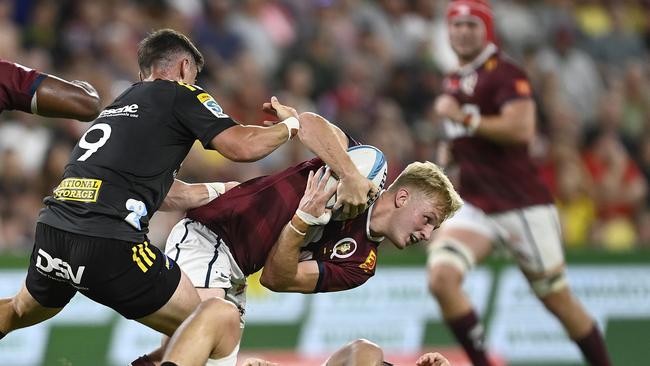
(2,335)
(593,348)
(469,333)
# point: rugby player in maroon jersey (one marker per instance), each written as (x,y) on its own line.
(27,90)
(279,224)
(489,120)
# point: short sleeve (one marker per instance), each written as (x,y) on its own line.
(18,85)
(513,84)
(200,113)
(340,277)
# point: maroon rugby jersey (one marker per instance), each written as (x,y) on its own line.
(250,217)
(17,86)
(493,176)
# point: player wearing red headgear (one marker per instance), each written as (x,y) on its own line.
(489,120)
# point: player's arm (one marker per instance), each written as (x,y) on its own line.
(60,98)
(184,196)
(330,144)
(251,143)
(514,124)
(283,271)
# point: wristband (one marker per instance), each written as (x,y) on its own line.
(311,220)
(291,123)
(471,122)
(296,230)
(215,189)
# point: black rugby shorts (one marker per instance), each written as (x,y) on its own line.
(134,279)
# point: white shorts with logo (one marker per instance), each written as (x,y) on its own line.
(531,234)
(206,260)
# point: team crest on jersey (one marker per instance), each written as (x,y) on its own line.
(369,264)
(344,248)
(211,105)
(468,83)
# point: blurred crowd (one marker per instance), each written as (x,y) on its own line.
(372,67)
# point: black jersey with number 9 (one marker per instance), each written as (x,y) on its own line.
(123,166)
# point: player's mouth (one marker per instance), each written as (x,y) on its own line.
(413,239)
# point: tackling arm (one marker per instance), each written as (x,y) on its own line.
(185,196)
(251,143)
(76,99)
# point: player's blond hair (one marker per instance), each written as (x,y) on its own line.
(429,179)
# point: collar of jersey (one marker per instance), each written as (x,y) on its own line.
(488,51)
(377,239)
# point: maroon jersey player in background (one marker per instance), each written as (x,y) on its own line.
(27,90)
(489,120)
(262,223)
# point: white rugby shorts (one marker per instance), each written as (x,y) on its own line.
(532,234)
(207,261)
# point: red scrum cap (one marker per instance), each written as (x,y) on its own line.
(480,9)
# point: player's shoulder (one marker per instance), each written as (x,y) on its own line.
(187,88)
(505,64)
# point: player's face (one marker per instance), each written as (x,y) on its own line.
(414,221)
(467,37)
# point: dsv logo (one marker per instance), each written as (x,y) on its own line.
(61,269)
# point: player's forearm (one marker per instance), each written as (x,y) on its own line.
(56,97)
(281,267)
(251,143)
(515,124)
(183,196)
(327,141)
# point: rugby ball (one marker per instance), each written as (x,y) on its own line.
(371,164)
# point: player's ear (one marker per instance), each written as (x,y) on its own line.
(401,197)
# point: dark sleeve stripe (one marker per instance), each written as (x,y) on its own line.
(321,274)
(36,83)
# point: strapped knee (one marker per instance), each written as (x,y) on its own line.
(548,285)
(451,252)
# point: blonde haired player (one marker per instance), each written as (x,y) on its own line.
(264,223)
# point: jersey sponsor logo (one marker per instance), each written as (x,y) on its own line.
(59,268)
(138,210)
(491,64)
(143,256)
(522,87)
(369,264)
(127,111)
(344,248)
(78,189)
(211,105)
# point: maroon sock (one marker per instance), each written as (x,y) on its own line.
(469,333)
(593,348)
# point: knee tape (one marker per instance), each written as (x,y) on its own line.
(452,252)
(548,285)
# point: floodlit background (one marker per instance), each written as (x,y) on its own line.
(374,68)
